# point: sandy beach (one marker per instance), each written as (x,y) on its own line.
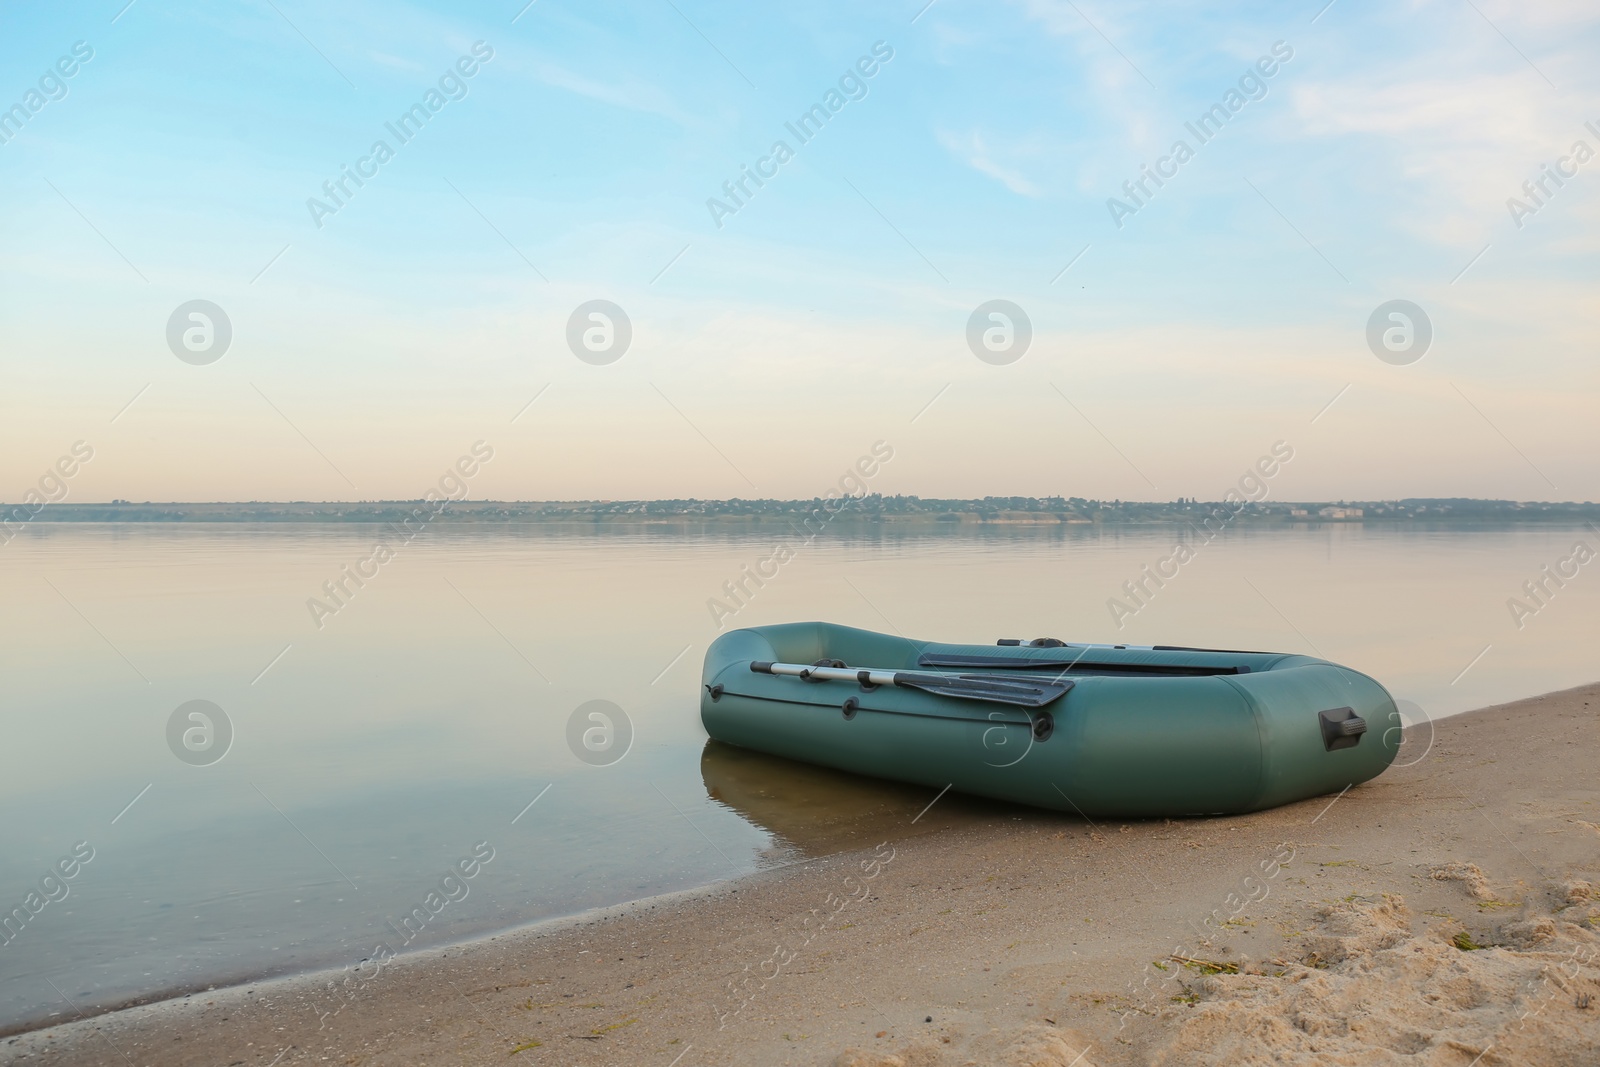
(1445,913)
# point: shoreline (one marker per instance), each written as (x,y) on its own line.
(830,838)
(317,977)
(960,521)
(1055,911)
(316,980)
(1255,509)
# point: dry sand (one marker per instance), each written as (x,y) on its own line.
(1342,933)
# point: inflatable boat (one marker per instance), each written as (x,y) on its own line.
(1099,730)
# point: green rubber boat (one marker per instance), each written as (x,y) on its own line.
(1100,730)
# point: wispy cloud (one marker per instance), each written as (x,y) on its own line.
(384,59)
(631,94)
(973,150)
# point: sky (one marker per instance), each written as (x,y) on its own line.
(1175,334)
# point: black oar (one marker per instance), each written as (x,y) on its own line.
(1021,693)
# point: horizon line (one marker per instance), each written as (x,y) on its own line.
(1181,501)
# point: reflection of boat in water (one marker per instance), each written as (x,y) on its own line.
(816,810)
(1096,729)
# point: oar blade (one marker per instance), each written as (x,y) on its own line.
(1016,692)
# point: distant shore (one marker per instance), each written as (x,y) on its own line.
(874,510)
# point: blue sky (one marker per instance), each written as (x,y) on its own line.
(827,312)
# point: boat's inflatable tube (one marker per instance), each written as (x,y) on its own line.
(1094,729)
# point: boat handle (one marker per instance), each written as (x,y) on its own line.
(1341,728)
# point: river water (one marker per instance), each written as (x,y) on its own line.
(348,763)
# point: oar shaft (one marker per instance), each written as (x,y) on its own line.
(868,675)
(1000,690)
(882,676)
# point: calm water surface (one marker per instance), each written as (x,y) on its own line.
(414,728)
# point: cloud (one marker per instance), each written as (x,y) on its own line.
(384,59)
(1461,144)
(631,95)
(1099,42)
(973,150)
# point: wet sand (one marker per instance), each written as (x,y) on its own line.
(1445,913)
